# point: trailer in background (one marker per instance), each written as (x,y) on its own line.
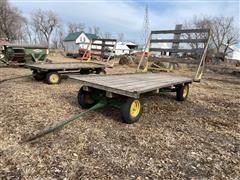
(19,55)
(51,73)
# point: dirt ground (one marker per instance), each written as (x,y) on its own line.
(198,138)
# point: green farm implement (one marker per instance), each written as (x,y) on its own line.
(19,55)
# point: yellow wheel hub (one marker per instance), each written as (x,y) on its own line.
(135,108)
(185,91)
(54,78)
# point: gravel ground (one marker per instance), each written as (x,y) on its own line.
(198,138)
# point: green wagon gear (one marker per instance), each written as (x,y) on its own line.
(19,55)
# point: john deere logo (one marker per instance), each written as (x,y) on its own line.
(37,50)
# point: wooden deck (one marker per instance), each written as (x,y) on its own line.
(66,66)
(132,85)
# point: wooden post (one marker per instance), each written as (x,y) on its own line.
(201,66)
(145,48)
(112,51)
(90,43)
(175,45)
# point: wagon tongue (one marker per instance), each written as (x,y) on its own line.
(59,125)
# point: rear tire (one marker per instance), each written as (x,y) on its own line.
(132,110)
(53,78)
(85,99)
(38,76)
(182,92)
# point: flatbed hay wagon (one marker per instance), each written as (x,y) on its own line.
(126,90)
(52,72)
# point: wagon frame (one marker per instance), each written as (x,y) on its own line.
(126,90)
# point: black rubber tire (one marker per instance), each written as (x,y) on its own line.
(38,76)
(100,71)
(85,71)
(48,78)
(84,99)
(180,92)
(125,110)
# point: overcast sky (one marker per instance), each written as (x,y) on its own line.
(124,16)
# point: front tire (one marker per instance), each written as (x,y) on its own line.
(101,71)
(182,92)
(85,99)
(132,110)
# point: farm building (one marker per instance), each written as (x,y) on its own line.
(234,53)
(125,47)
(74,41)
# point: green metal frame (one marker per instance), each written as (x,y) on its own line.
(22,53)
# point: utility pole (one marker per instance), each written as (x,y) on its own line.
(145,29)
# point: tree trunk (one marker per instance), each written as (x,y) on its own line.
(225,53)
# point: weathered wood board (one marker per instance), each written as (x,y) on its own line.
(65,66)
(132,85)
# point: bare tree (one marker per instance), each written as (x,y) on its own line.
(75,27)
(121,37)
(197,23)
(45,22)
(97,31)
(58,38)
(90,30)
(28,32)
(11,21)
(223,33)
(107,35)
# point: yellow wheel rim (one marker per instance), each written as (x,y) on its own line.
(185,91)
(54,78)
(135,108)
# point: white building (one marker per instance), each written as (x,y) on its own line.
(124,48)
(234,53)
(74,41)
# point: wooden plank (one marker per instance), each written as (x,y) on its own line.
(181,31)
(126,85)
(149,84)
(65,66)
(163,85)
(108,45)
(96,54)
(113,80)
(142,84)
(178,40)
(132,85)
(146,83)
(175,50)
(94,49)
(109,89)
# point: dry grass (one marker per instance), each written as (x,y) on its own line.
(198,138)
